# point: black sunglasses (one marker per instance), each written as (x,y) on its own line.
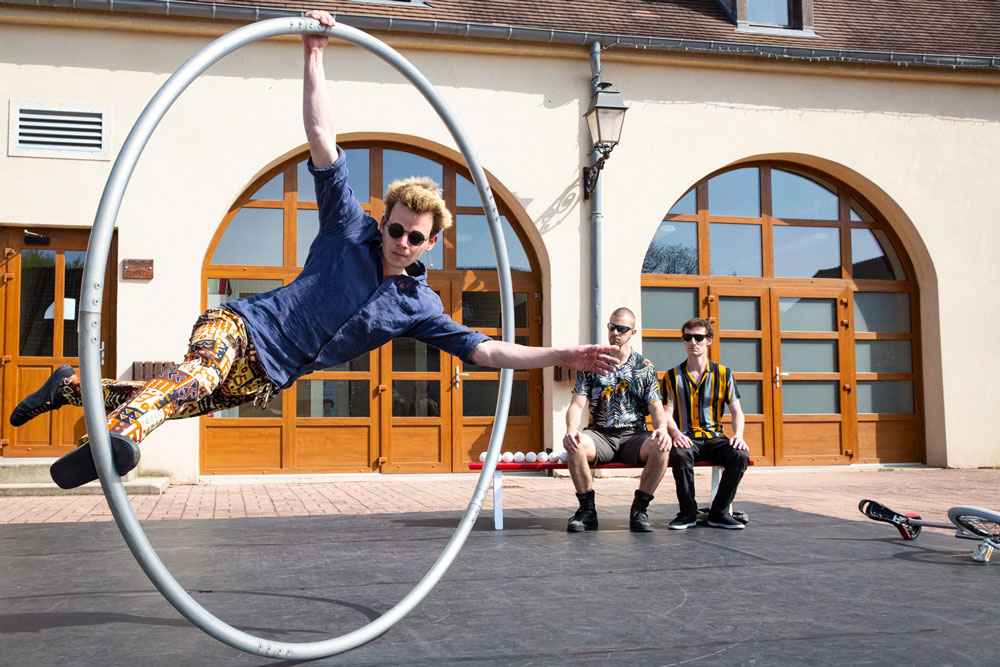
(396,230)
(620,328)
(697,337)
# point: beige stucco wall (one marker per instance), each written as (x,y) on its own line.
(924,152)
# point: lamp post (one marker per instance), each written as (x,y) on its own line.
(605,118)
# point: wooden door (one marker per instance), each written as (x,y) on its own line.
(742,321)
(418,437)
(812,359)
(43,269)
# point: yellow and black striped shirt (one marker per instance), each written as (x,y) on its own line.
(698,409)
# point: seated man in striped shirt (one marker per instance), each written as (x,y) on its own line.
(696,393)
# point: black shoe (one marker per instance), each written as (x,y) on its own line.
(683,522)
(724,521)
(584,519)
(45,398)
(77,468)
(638,522)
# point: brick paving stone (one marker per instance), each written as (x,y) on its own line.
(828,491)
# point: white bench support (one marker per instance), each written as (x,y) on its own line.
(498,494)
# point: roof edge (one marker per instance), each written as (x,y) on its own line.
(216,11)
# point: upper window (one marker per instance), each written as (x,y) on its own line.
(784,17)
(769,12)
(773,221)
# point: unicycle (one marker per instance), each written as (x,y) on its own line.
(971,523)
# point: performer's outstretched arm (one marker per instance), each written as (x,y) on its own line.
(317,110)
(498,354)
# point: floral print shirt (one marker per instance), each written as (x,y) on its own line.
(621,399)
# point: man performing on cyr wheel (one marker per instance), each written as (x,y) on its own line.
(362,285)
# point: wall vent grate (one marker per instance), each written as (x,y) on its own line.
(60,130)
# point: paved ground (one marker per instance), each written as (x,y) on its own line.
(833,492)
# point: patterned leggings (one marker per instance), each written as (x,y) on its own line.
(220,370)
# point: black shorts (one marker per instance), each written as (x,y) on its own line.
(615,445)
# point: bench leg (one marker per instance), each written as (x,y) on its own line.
(497,500)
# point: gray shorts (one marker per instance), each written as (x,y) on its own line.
(616,445)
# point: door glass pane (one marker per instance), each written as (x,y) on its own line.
(466,193)
(873,257)
(806,252)
(71,303)
(469,367)
(859,212)
(479,398)
(885,397)
(416,398)
(674,249)
(307,229)
(397,165)
(482,309)
(664,353)
(686,205)
(250,411)
(750,397)
(739,313)
(253,237)
(668,307)
(38,305)
(358,177)
(810,398)
(356,364)
(735,249)
(887,312)
(332,398)
(808,314)
(474,244)
(741,355)
(414,356)
(221,290)
(735,192)
(809,356)
(883,356)
(274,189)
(798,196)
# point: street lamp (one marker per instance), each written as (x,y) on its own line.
(604,118)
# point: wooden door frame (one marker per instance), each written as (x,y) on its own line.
(841,295)
(64,238)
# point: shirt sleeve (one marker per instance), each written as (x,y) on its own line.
(446,334)
(339,210)
(733,392)
(652,385)
(583,383)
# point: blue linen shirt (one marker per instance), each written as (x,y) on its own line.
(340,307)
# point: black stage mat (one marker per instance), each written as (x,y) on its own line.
(792,589)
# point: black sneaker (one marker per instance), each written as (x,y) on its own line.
(724,521)
(584,519)
(77,468)
(45,398)
(683,522)
(639,522)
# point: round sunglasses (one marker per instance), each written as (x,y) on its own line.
(396,231)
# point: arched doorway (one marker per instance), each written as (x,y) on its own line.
(815,307)
(405,407)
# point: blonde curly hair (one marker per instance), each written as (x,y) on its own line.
(420,194)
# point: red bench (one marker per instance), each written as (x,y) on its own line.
(501,466)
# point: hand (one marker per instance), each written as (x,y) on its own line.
(737,442)
(592,358)
(661,439)
(571,441)
(682,441)
(318,41)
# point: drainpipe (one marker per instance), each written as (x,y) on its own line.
(596,216)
